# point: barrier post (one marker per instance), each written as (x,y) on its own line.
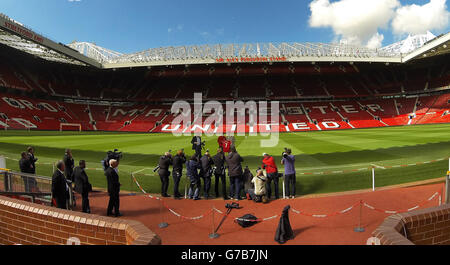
(359,228)
(162,224)
(373,178)
(440,197)
(213,234)
(284,190)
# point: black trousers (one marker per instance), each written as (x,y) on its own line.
(198,152)
(289,184)
(176,182)
(275,178)
(85,207)
(114,202)
(222,178)
(164,176)
(207,185)
(235,187)
(61,202)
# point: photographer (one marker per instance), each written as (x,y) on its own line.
(247,179)
(178,160)
(164,162)
(111,155)
(258,193)
(192,167)
(268,163)
(69,164)
(206,172)
(289,173)
(197,145)
(219,173)
(32,159)
(234,161)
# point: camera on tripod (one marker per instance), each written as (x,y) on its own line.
(116,155)
(285,152)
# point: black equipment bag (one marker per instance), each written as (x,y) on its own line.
(247,220)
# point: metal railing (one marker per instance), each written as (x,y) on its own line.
(26,185)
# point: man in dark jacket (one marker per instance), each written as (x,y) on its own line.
(206,172)
(69,164)
(82,185)
(113,188)
(60,190)
(26,167)
(32,159)
(197,146)
(178,161)
(219,172)
(192,167)
(164,162)
(234,161)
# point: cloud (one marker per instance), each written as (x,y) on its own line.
(354,21)
(359,21)
(416,19)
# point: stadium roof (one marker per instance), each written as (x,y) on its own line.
(16,35)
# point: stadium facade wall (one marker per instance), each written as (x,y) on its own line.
(27,223)
(422,227)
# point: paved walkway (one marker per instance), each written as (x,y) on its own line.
(319,230)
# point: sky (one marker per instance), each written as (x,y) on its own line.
(136,25)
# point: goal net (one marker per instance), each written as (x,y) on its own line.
(69,127)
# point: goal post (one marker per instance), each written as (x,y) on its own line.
(69,127)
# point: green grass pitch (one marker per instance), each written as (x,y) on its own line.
(326,156)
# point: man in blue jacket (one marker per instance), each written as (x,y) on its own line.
(192,167)
(289,173)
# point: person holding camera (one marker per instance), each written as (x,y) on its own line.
(32,159)
(82,185)
(268,163)
(164,162)
(113,188)
(178,161)
(219,173)
(26,167)
(234,161)
(69,164)
(289,173)
(192,167)
(258,192)
(206,172)
(197,145)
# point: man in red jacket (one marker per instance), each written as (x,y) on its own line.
(268,163)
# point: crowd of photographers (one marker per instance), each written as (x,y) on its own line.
(200,168)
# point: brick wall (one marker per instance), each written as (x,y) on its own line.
(27,223)
(422,227)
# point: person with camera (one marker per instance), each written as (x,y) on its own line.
(197,145)
(258,192)
(69,164)
(32,159)
(206,172)
(268,163)
(164,162)
(178,161)
(289,173)
(234,161)
(192,167)
(60,189)
(247,179)
(219,173)
(25,167)
(82,185)
(113,188)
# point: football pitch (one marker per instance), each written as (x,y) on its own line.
(326,161)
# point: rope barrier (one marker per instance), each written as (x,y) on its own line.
(166,206)
(402,211)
